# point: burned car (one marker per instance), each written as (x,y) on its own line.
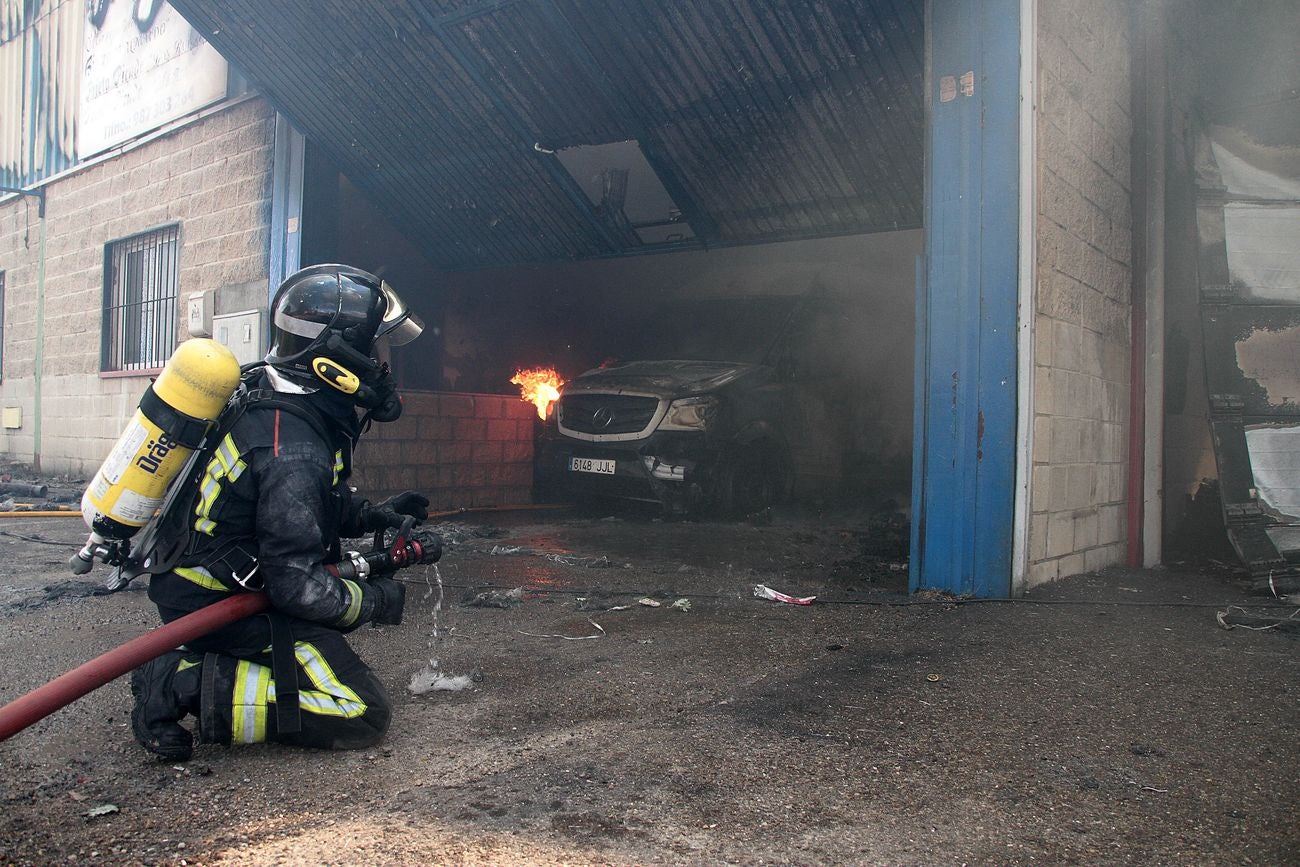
(712,406)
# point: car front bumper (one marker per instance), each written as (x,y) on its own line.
(672,468)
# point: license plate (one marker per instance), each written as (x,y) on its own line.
(591,465)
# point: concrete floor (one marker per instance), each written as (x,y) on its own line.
(1108,719)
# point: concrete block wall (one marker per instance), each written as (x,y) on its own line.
(1081,355)
(462,450)
(211,176)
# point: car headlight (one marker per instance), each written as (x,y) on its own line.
(689,413)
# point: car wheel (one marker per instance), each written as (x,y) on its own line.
(750,480)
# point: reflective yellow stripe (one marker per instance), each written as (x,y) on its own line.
(225,464)
(201,577)
(248,713)
(255,691)
(330,698)
(338,466)
(354,608)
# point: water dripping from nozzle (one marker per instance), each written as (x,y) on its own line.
(437,602)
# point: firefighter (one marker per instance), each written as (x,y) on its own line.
(272,506)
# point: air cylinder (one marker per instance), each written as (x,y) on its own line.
(173,416)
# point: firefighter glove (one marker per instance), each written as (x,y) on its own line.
(390,512)
(390,600)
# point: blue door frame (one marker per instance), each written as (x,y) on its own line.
(286,203)
(964,461)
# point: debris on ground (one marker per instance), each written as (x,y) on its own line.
(24,490)
(762,591)
(101,810)
(62,590)
(648,602)
(682,604)
(493,598)
(584,562)
(599,633)
(432,679)
(1235,617)
(883,550)
(454,533)
(599,602)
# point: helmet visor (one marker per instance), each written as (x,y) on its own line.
(400,326)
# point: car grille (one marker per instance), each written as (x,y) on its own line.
(606,414)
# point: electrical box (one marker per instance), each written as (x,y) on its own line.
(198,312)
(241,333)
(12,417)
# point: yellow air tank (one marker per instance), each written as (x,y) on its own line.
(170,423)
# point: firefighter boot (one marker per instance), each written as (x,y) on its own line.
(165,690)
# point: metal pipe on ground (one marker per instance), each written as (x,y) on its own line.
(20,489)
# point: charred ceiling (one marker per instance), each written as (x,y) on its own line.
(488,128)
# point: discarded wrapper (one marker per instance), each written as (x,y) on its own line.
(648,602)
(762,591)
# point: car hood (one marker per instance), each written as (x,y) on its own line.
(661,378)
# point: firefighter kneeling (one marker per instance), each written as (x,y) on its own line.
(272,506)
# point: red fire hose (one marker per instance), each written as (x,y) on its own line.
(43,701)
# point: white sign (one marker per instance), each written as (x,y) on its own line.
(144,66)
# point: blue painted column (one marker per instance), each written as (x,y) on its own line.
(286,203)
(964,467)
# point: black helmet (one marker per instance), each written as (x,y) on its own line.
(326,322)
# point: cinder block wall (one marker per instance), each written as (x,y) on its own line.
(212,177)
(1081,358)
(462,450)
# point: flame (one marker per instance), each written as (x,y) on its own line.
(539,386)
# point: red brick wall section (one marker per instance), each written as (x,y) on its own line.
(462,450)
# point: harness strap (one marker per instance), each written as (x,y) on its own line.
(284,668)
(208,702)
(186,430)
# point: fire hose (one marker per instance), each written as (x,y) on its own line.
(405,550)
(43,701)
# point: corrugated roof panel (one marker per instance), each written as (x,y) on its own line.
(763,120)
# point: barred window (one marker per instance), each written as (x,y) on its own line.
(140,313)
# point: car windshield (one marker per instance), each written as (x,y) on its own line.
(733,329)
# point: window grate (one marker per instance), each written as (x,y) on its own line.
(140,312)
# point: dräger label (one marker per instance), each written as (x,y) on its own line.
(155,452)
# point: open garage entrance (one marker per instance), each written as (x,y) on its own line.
(818,333)
(772,166)
(534,154)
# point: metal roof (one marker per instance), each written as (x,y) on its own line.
(763,119)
